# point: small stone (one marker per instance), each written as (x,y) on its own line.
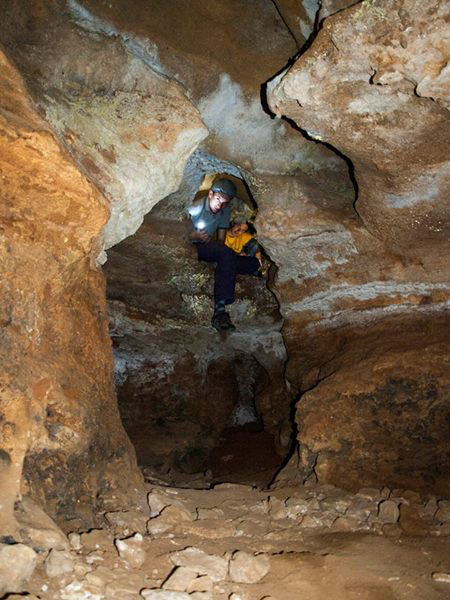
(40,529)
(369,494)
(277,508)
(346,524)
(296,507)
(388,511)
(441,577)
(358,509)
(164,595)
(311,521)
(204,528)
(210,513)
(248,568)
(58,563)
(201,584)
(443,512)
(180,579)
(131,551)
(167,519)
(430,508)
(212,565)
(96,539)
(129,522)
(75,541)
(17,563)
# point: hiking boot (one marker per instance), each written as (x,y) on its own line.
(264,268)
(222,322)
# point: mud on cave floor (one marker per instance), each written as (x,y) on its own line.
(236,542)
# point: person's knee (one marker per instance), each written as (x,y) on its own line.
(227,256)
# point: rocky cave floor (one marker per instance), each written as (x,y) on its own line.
(239,542)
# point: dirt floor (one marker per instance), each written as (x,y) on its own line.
(314,543)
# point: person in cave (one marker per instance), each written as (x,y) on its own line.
(241,237)
(210,216)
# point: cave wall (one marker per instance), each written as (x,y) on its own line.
(57,368)
(365,293)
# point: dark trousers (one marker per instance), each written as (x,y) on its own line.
(229,264)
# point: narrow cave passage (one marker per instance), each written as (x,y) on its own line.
(199,406)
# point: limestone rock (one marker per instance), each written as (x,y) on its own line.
(167,519)
(443,512)
(58,563)
(401,174)
(96,539)
(131,550)
(75,540)
(180,579)
(212,565)
(38,527)
(128,522)
(203,583)
(388,511)
(441,577)
(164,595)
(248,568)
(17,563)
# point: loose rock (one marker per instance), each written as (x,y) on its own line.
(180,579)
(203,564)
(58,563)
(388,511)
(247,568)
(17,563)
(131,551)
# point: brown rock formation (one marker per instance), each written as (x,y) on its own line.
(367,302)
(57,383)
(129,128)
(375,85)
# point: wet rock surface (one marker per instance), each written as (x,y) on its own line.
(280,543)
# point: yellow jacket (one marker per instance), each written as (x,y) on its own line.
(237,242)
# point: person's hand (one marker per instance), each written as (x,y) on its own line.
(200,236)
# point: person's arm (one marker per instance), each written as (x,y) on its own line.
(195,235)
(221,234)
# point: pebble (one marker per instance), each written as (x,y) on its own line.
(212,565)
(58,563)
(131,550)
(128,522)
(443,512)
(164,595)
(168,519)
(388,511)
(75,541)
(180,579)
(248,568)
(441,577)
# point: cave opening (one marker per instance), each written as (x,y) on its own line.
(199,406)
